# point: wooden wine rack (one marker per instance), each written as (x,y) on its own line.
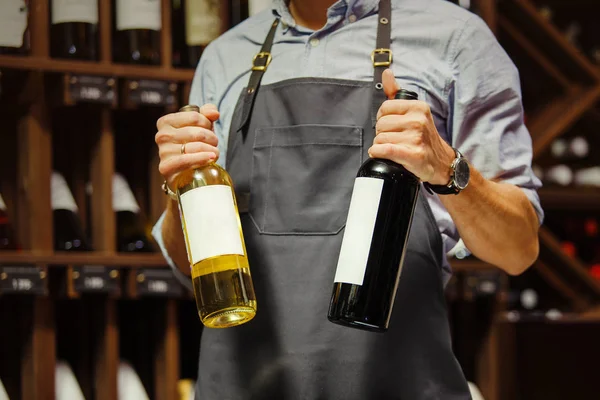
(38,83)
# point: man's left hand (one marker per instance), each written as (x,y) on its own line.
(406,134)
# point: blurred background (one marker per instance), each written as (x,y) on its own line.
(88,307)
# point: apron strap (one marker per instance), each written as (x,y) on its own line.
(260,63)
(382,55)
(381,58)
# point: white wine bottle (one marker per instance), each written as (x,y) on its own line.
(215,245)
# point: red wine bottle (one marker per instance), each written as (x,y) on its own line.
(375,240)
(7,238)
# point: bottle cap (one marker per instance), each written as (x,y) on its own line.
(190,107)
(404,94)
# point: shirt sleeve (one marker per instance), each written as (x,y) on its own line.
(202,92)
(487,123)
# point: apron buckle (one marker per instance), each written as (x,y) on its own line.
(261,56)
(382,63)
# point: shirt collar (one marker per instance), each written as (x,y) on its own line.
(358,8)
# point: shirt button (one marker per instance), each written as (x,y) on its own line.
(314,42)
(352,18)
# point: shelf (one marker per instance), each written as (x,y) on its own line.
(575,199)
(95,68)
(549,39)
(514,317)
(559,116)
(93,258)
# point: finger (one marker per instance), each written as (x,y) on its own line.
(171,149)
(390,87)
(187,134)
(404,154)
(409,138)
(210,111)
(398,107)
(176,164)
(399,123)
(185,118)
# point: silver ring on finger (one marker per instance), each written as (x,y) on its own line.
(183,148)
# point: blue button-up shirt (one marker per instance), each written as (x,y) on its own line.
(443,52)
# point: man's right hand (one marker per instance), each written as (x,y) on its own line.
(193,129)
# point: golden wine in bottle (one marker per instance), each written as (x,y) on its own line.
(14,34)
(215,245)
(74,32)
(137,36)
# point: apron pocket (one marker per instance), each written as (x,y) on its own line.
(302,178)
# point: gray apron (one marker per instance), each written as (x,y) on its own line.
(294,150)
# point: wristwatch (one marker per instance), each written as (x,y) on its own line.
(459,178)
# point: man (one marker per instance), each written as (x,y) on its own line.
(293,143)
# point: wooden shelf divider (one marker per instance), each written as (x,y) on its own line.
(105,21)
(549,66)
(575,199)
(148,260)
(563,52)
(559,116)
(44,64)
(166,358)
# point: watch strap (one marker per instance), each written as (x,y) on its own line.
(450,187)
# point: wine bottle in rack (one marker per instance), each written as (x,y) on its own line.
(558,175)
(66,385)
(3,394)
(178,44)
(68,231)
(137,34)
(203,24)
(215,244)
(131,235)
(14,35)
(129,384)
(238,11)
(74,31)
(7,238)
(587,177)
(374,243)
(573,148)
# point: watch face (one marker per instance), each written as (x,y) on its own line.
(462,173)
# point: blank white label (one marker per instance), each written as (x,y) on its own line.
(122,196)
(2,205)
(138,14)
(203,21)
(62,199)
(211,222)
(13,22)
(358,234)
(74,11)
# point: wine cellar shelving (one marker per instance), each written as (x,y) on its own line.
(132,309)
